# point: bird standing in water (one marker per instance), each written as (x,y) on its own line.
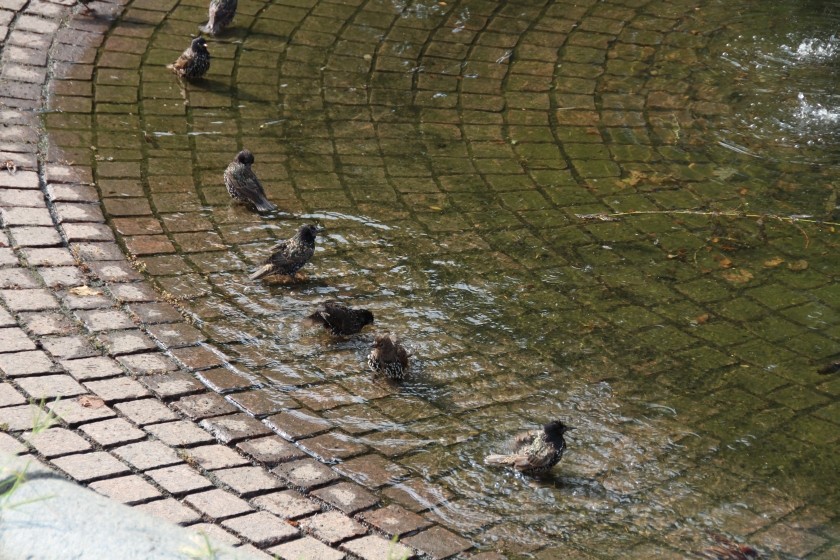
(242,183)
(388,357)
(289,255)
(535,452)
(194,62)
(340,319)
(220,15)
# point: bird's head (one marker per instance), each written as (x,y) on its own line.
(199,44)
(308,233)
(245,156)
(367,317)
(556,429)
(383,341)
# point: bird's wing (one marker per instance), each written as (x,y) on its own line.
(251,183)
(523,439)
(280,246)
(536,460)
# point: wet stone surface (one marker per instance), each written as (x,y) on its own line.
(463,157)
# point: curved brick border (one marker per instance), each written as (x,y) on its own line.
(79,324)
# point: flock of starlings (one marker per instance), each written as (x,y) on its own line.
(533,452)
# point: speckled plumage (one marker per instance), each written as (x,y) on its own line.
(535,451)
(194,62)
(339,319)
(242,183)
(388,357)
(289,255)
(220,15)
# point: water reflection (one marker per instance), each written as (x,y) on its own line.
(450,152)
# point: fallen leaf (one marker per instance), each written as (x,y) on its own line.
(84,291)
(702,319)
(798,266)
(90,401)
(725,262)
(774,262)
(739,276)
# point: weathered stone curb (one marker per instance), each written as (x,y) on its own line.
(48,517)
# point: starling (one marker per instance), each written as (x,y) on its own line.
(340,319)
(536,451)
(242,183)
(289,255)
(221,14)
(193,62)
(388,357)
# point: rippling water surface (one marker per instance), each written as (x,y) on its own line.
(449,149)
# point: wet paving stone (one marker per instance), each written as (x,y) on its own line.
(172,385)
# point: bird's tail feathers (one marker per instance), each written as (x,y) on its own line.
(265,206)
(500,459)
(264,270)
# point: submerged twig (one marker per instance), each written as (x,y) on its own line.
(614,216)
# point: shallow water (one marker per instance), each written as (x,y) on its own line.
(452,151)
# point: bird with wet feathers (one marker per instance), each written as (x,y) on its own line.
(242,183)
(388,357)
(289,255)
(535,452)
(339,319)
(194,62)
(220,15)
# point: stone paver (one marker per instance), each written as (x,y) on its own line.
(247,481)
(218,504)
(372,547)
(55,442)
(91,466)
(115,431)
(179,479)
(127,489)
(146,455)
(261,528)
(171,510)
(332,527)
(289,504)
(306,548)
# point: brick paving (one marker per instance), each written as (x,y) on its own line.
(152,415)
